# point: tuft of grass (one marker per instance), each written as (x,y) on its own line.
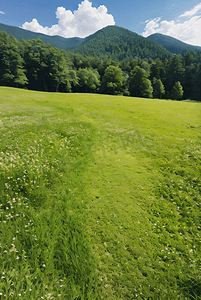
(99,197)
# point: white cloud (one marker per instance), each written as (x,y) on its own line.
(2,13)
(151,26)
(82,22)
(187,31)
(192,12)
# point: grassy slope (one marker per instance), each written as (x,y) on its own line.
(109,188)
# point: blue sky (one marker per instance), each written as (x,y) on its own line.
(180,19)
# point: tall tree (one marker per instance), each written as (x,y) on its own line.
(32,58)
(175,72)
(197,83)
(73,81)
(146,66)
(88,80)
(189,65)
(47,68)
(158,69)
(159,89)
(139,84)
(112,80)
(188,80)
(177,91)
(12,72)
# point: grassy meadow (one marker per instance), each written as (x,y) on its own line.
(100,197)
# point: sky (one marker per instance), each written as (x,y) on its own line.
(180,19)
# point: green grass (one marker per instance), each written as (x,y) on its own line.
(100,197)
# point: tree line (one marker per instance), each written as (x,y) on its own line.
(34,65)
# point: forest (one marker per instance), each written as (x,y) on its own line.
(34,65)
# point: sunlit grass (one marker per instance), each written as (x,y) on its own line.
(100,197)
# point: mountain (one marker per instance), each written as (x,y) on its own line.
(110,42)
(171,44)
(54,41)
(120,44)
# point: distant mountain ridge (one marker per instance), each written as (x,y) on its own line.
(111,42)
(54,41)
(171,44)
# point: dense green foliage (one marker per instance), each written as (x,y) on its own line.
(139,84)
(38,66)
(120,44)
(11,63)
(99,197)
(159,89)
(171,44)
(177,91)
(112,80)
(110,42)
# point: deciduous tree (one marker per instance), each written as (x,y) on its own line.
(88,80)
(112,80)
(12,72)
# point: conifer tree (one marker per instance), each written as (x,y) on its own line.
(197,83)
(159,89)
(177,91)
(139,84)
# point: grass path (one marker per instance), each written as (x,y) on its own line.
(112,187)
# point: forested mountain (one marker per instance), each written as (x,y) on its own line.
(120,44)
(54,41)
(110,42)
(171,44)
(32,64)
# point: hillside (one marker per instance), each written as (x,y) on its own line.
(54,41)
(171,44)
(110,42)
(121,44)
